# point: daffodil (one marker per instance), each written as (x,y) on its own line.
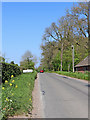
(3,88)
(16,86)
(10,84)
(12,76)
(7,99)
(12,94)
(13,81)
(6,81)
(30,99)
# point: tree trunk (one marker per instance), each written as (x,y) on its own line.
(68,67)
(61,55)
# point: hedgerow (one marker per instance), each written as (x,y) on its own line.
(8,70)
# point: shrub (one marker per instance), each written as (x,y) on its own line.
(8,70)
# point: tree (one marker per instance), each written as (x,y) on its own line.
(27,55)
(71,29)
(12,62)
(2,59)
(48,53)
(27,61)
(53,33)
(79,15)
(26,64)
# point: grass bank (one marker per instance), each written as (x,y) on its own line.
(78,75)
(0,100)
(17,95)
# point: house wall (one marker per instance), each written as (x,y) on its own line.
(82,69)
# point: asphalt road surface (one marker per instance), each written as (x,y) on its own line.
(63,97)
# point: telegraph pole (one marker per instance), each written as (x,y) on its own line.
(73,57)
(89,28)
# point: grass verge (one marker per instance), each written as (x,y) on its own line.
(17,95)
(0,101)
(84,76)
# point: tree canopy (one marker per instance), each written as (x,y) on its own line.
(71,29)
(28,61)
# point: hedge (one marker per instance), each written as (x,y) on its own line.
(8,70)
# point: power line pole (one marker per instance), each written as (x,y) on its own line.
(89,27)
(73,57)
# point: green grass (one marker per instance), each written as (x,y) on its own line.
(17,98)
(0,101)
(74,75)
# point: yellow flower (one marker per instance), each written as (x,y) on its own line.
(3,88)
(30,99)
(6,99)
(6,81)
(12,94)
(13,81)
(10,84)
(29,83)
(12,76)
(16,86)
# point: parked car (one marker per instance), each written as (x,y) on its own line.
(41,71)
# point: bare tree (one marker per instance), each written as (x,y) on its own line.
(27,55)
(70,29)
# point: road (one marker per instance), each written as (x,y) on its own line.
(63,97)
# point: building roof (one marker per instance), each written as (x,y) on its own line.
(84,62)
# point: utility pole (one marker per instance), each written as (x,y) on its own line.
(73,57)
(89,27)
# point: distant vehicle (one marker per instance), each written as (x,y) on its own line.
(41,71)
(27,71)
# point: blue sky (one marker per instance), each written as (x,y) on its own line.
(24,23)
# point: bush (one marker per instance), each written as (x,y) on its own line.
(8,70)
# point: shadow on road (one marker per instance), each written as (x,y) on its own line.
(65,77)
